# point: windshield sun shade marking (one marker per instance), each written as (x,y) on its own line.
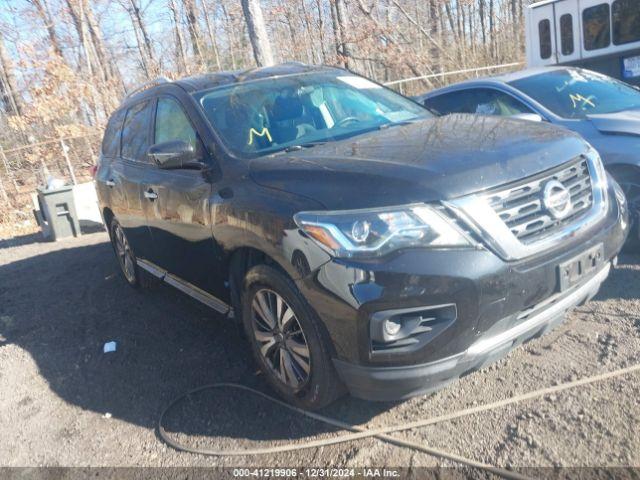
(360,83)
(263,133)
(575,98)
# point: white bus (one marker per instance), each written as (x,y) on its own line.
(600,35)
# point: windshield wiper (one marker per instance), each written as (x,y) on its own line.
(294,148)
(384,126)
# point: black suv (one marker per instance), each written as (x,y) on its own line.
(360,241)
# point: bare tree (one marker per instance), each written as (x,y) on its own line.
(338,16)
(99,47)
(43,11)
(257,32)
(8,89)
(194,27)
(180,54)
(142,38)
(212,35)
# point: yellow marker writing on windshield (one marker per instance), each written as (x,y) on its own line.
(579,98)
(264,132)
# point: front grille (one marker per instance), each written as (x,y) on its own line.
(521,207)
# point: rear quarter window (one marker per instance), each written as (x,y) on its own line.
(566,34)
(596,28)
(626,21)
(544,31)
(111,139)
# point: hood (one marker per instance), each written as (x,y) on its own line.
(435,159)
(625,122)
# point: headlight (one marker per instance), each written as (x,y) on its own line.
(620,196)
(375,232)
(593,155)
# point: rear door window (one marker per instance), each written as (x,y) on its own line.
(626,21)
(544,32)
(596,27)
(481,101)
(453,102)
(111,140)
(566,34)
(487,101)
(135,132)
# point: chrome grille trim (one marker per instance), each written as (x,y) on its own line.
(478,212)
(521,207)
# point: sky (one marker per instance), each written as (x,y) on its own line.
(21,26)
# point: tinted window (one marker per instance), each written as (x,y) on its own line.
(626,21)
(544,32)
(596,28)
(111,140)
(481,101)
(454,102)
(135,132)
(263,116)
(566,34)
(578,93)
(172,123)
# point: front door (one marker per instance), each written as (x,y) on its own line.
(177,206)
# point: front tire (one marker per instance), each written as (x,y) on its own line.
(288,340)
(629,181)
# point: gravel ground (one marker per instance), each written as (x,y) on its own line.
(63,402)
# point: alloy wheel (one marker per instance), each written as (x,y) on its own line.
(280,339)
(124,253)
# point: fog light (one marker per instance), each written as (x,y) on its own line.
(392,327)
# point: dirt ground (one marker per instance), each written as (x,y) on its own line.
(63,402)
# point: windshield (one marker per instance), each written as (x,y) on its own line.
(578,93)
(266,116)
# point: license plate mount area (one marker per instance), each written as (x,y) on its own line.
(580,267)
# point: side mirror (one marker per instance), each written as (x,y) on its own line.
(532,117)
(173,154)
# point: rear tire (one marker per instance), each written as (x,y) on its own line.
(287,340)
(124,254)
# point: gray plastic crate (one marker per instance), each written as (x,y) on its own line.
(59,211)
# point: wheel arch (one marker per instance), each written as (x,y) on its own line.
(107,216)
(241,260)
(622,169)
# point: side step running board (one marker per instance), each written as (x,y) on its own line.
(186,287)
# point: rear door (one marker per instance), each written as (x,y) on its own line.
(109,154)
(128,175)
(177,206)
(567,28)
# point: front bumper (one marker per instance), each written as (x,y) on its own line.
(498,305)
(396,383)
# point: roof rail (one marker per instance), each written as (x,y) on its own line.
(149,84)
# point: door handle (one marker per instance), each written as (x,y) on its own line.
(110,183)
(150,194)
